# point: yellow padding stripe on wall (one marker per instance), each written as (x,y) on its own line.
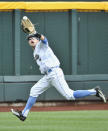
(12,5)
(54,5)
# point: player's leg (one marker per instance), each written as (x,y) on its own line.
(36,90)
(83,93)
(61,85)
(31,101)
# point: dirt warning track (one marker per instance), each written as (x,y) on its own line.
(58,107)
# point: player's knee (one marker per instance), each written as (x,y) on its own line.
(33,93)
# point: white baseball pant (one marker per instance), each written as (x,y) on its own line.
(54,78)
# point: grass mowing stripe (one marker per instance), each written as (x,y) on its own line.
(56,121)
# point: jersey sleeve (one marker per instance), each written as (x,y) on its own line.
(45,41)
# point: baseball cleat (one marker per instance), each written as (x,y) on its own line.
(18,114)
(100,94)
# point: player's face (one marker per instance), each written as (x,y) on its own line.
(33,41)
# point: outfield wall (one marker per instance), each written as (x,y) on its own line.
(79,38)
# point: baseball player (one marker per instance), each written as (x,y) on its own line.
(49,66)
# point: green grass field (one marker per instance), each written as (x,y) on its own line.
(56,121)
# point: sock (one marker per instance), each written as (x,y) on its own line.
(31,101)
(83,93)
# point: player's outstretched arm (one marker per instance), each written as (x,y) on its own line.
(42,38)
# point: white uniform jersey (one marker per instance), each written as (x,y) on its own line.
(45,57)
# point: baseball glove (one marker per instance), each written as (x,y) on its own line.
(27,26)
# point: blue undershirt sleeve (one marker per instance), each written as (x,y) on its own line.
(45,41)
